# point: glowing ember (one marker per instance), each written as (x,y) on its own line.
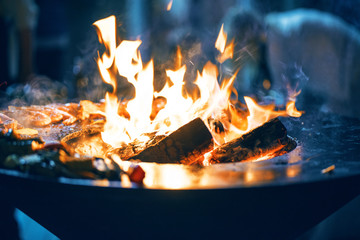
(178,108)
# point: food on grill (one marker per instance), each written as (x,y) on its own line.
(10,143)
(25,133)
(6,122)
(83,154)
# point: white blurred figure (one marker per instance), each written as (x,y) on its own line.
(327,50)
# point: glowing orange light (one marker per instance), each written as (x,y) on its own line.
(169,5)
(227,51)
(221,40)
(179,57)
(213,100)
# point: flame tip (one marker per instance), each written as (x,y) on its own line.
(166,110)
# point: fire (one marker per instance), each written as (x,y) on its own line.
(226,51)
(221,40)
(260,114)
(214,102)
(169,5)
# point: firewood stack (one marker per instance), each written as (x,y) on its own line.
(190,142)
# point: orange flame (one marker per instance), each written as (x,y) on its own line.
(221,40)
(178,57)
(226,51)
(107,36)
(213,102)
(169,5)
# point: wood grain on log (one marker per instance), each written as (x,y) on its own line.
(188,142)
(271,137)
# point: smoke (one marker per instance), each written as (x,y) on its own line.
(291,84)
(87,80)
(40,90)
(165,57)
(293,80)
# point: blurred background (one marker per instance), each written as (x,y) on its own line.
(49,48)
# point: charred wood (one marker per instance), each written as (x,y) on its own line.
(270,137)
(188,142)
(129,150)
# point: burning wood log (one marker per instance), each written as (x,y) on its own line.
(129,150)
(188,142)
(270,138)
